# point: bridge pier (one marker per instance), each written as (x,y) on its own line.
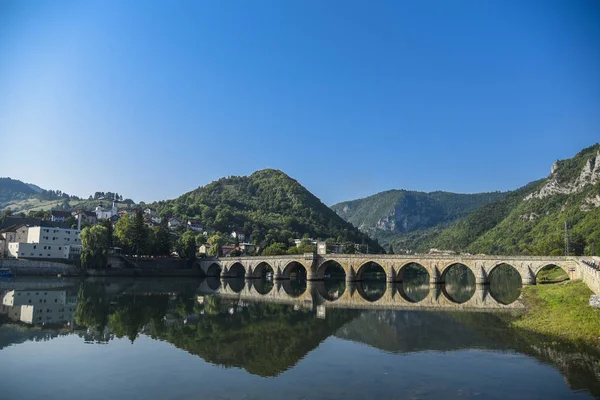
(529,278)
(481,278)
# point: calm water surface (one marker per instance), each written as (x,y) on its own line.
(185,339)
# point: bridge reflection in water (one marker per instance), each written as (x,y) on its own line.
(369,294)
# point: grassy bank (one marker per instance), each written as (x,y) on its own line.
(561,310)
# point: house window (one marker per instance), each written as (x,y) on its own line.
(60,248)
(34,247)
(44,247)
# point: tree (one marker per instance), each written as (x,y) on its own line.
(122,232)
(275,249)
(216,245)
(186,246)
(348,248)
(391,249)
(139,232)
(94,247)
(162,239)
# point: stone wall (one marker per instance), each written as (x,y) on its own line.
(34,267)
(590,276)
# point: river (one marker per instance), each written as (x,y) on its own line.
(184,339)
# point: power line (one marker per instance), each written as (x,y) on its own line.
(566,239)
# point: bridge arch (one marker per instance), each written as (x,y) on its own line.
(262,269)
(370,270)
(331,268)
(236,270)
(551,272)
(214,270)
(372,290)
(413,285)
(505,283)
(294,270)
(458,282)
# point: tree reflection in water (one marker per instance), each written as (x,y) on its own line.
(505,284)
(414,285)
(459,283)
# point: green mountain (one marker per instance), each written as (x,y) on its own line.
(269,206)
(401,217)
(13,189)
(531,220)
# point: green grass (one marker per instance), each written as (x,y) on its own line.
(552,274)
(561,310)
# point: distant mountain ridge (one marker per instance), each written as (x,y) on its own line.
(395,214)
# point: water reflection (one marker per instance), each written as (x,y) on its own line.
(263,286)
(414,286)
(331,289)
(505,284)
(371,289)
(294,287)
(266,339)
(459,283)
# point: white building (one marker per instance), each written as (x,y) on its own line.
(240,236)
(174,223)
(105,213)
(49,243)
(39,306)
(194,225)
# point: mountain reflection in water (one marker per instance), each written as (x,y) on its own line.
(267,338)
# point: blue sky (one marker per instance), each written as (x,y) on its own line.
(152,99)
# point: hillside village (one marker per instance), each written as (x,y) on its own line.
(56,235)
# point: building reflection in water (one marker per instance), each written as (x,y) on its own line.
(39,306)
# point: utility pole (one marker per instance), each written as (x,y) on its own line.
(566,239)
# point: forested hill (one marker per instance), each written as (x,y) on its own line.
(268,205)
(13,189)
(532,219)
(401,216)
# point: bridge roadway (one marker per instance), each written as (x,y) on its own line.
(353,296)
(315,266)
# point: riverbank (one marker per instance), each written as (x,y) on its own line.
(561,310)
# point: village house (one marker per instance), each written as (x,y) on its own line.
(149,211)
(174,223)
(240,236)
(15,233)
(194,225)
(228,249)
(156,219)
(88,217)
(203,249)
(59,216)
(247,248)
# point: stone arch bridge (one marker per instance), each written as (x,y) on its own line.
(314,267)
